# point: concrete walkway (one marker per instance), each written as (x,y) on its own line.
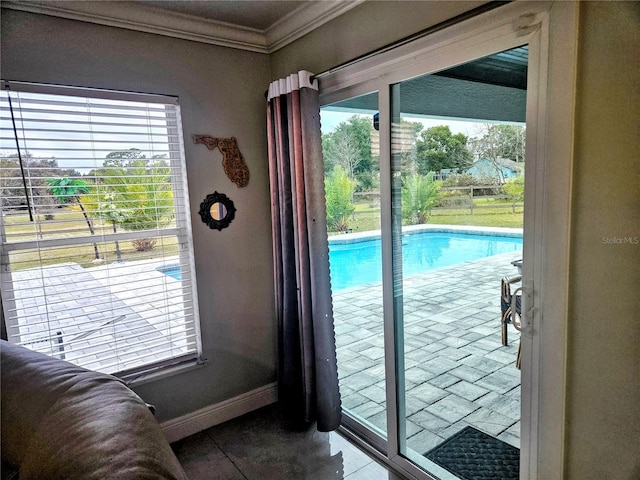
(456,371)
(110,309)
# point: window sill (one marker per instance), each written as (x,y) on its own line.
(163,372)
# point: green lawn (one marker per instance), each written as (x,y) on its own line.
(498,213)
(18,227)
(479,219)
(365,218)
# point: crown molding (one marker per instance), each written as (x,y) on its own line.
(305,19)
(145,18)
(149,19)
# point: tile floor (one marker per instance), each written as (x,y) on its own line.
(259,446)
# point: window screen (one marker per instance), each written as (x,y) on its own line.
(96,253)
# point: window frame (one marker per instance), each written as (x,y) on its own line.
(539,24)
(182,232)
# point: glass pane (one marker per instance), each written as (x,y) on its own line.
(457,202)
(350,142)
(96,264)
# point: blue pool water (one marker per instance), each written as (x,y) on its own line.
(359,263)
(171,270)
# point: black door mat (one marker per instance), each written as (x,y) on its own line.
(473,455)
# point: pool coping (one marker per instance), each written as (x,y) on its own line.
(357,237)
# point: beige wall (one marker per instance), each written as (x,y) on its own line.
(603,391)
(221,93)
(367,27)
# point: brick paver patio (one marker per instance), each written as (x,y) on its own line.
(457,372)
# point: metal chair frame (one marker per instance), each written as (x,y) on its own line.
(511,308)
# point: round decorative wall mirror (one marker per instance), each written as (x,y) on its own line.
(217,211)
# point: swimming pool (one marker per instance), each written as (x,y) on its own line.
(355,260)
(359,262)
(172,270)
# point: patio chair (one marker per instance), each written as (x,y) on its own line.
(511,308)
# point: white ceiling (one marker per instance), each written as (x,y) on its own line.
(260,14)
(259,25)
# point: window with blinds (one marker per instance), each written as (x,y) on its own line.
(96,252)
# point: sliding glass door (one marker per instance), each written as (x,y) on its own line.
(425,158)
(457,190)
(351,151)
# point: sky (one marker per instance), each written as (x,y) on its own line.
(331,119)
(79,133)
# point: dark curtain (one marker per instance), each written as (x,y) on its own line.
(307,369)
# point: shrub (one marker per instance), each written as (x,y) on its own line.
(451,201)
(514,189)
(368,181)
(419,195)
(460,180)
(468,180)
(144,244)
(339,192)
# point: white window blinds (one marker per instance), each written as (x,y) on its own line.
(96,251)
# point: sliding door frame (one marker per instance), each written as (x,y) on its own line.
(550,109)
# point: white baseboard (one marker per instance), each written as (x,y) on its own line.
(194,422)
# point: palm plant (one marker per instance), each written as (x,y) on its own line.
(107,208)
(139,196)
(69,189)
(419,195)
(339,190)
(145,193)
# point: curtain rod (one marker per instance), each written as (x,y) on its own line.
(422,33)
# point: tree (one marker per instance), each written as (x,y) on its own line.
(349,146)
(419,195)
(437,149)
(106,207)
(339,190)
(122,157)
(135,193)
(498,141)
(512,141)
(514,189)
(69,189)
(143,193)
(404,137)
(343,150)
(38,170)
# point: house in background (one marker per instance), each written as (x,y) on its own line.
(221,88)
(502,169)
